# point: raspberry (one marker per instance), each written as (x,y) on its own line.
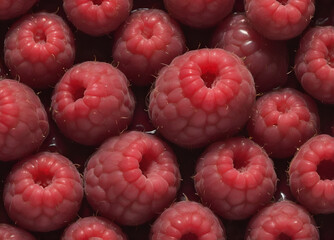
(282,220)
(187,220)
(235,178)
(131,178)
(279,19)
(314,63)
(282,121)
(13,8)
(199,13)
(201,96)
(149,37)
(311,174)
(38,48)
(23,120)
(93,228)
(97,17)
(92,102)
(267,60)
(9,232)
(43,192)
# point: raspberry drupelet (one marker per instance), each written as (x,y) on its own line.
(235,178)
(280,19)
(282,120)
(282,220)
(311,175)
(266,59)
(23,120)
(11,232)
(93,228)
(92,102)
(149,37)
(38,48)
(131,178)
(201,96)
(43,192)
(199,13)
(97,17)
(187,220)
(314,63)
(10,9)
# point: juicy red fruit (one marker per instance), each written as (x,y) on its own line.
(11,232)
(13,8)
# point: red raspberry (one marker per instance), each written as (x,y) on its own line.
(267,60)
(149,37)
(131,178)
(43,192)
(235,178)
(314,63)
(93,228)
(92,102)
(282,220)
(13,8)
(97,17)
(282,121)
(9,232)
(279,19)
(311,174)
(23,120)
(187,220)
(38,48)
(199,13)
(201,96)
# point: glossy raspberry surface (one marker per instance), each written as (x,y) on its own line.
(151,37)
(282,120)
(280,19)
(92,102)
(203,95)
(23,120)
(311,174)
(235,178)
(13,8)
(97,17)
(187,220)
(98,228)
(282,220)
(11,232)
(43,192)
(314,63)
(266,59)
(199,13)
(131,178)
(38,48)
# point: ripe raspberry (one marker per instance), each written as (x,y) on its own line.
(93,228)
(43,192)
(282,220)
(13,8)
(314,63)
(92,102)
(279,19)
(23,120)
(38,48)
(9,232)
(199,13)
(201,96)
(311,174)
(235,178)
(267,60)
(131,178)
(282,121)
(149,37)
(187,220)
(97,17)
